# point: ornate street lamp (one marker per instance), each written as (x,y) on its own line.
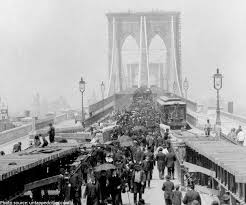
(102,91)
(82,90)
(186,87)
(217,86)
(174,87)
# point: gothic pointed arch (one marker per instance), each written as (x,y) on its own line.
(143,27)
(130,61)
(157,61)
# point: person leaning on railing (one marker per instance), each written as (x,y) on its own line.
(241,137)
(191,196)
(232,134)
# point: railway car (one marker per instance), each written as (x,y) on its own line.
(172,111)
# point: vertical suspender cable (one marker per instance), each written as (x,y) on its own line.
(140,54)
(146,47)
(174,55)
(112,57)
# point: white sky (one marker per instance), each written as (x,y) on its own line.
(46,45)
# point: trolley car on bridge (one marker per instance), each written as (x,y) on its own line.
(173,111)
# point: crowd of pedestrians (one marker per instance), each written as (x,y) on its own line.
(125,163)
(238,135)
(125,166)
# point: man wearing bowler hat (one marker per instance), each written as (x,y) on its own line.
(192,195)
(226,198)
(168,188)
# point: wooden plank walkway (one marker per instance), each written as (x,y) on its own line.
(15,163)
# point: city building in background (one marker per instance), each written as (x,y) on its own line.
(5,123)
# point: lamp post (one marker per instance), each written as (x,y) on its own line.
(174,87)
(186,87)
(217,86)
(102,90)
(82,90)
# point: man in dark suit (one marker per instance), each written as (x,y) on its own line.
(170,159)
(168,188)
(161,162)
(192,195)
(61,184)
(148,167)
(150,156)
(150,142)
(137,182)
(139,156)
(103,184)
(114,187)
(93,192)
(160,141)
(76,183)
(51,133)
(100,155)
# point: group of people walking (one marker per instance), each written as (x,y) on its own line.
(133,163)
(131,173)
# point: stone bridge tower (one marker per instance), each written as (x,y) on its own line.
(143,26)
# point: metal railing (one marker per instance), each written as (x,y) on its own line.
(191,119)
(238,118)
(91,120)
(100,104)
(12,134)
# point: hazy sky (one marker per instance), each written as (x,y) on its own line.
(47,45)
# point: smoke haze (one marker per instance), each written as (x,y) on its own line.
(46,46)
